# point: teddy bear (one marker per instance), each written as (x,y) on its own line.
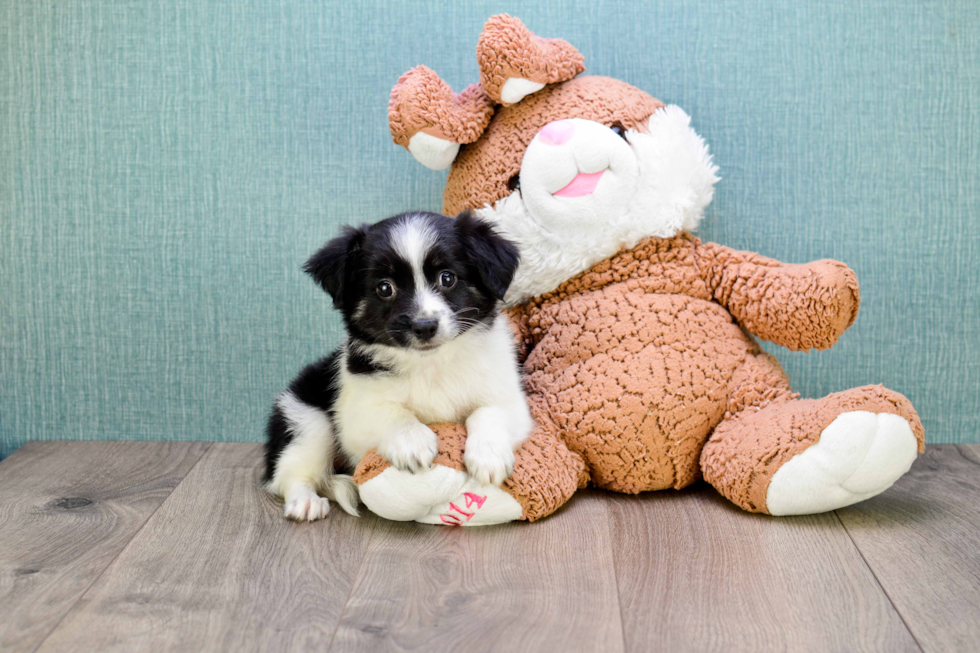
(637,339)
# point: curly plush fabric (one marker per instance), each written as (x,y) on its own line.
(507,49)
(544,457)
(642,343)
(804,307)
(422,102)
(642,372)
(639,379)
(745,451)
(482,170)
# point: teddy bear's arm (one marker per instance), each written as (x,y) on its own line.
(801,307)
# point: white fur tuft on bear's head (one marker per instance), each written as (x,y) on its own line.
(587,191)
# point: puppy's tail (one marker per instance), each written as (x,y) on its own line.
(342,489)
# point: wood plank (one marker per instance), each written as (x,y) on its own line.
(922,540)
(547,586)
(698,574)
(66,511)
(218,568)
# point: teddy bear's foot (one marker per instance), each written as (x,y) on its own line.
(442,495)
(858,456)
(801,456)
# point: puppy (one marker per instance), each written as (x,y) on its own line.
(419,295)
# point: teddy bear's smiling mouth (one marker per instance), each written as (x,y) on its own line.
(584,183)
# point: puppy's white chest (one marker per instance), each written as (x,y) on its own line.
(436,394)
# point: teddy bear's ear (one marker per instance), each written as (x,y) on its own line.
(430,121)
(515,63)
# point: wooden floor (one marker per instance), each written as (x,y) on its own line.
(173,546)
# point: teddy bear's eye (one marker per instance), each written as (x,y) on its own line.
(514,183)
(618,129)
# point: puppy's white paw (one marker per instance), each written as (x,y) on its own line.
(304,504)
(488,460)
(413,448)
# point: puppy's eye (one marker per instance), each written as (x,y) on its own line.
(618,129)
(385,290)
(447,279)
(514,183)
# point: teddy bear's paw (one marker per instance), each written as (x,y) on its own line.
(475,505)
(859,455)
(403,496)
(304,504)
(442,495)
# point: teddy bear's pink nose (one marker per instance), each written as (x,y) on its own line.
(557,132)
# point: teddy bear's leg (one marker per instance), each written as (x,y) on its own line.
(546,472)
(778,454)
(545,475)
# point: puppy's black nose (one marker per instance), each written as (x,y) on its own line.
(424,328)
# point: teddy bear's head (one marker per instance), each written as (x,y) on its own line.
(571,168)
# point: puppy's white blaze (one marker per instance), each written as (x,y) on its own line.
(413,239)
(429,304)
(305,463)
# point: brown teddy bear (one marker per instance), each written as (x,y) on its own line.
(636,337)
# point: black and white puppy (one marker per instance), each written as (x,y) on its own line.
(419,294)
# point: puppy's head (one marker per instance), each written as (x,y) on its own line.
(417,280)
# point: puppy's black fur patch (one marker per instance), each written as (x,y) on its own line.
(491,258)
(315,386)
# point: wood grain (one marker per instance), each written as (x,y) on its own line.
(698,574)
(921,539)
(547,586)
(214,566)
(66,511)
(218,568)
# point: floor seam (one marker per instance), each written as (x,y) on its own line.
(878,582)
(350,592)
(116,557)
(619,595)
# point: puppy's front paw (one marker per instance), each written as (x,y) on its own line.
(411,449)
(304,504)
(488,461)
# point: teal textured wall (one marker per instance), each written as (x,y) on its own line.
(165,167)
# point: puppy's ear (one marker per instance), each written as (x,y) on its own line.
(494,257)
(331,266)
